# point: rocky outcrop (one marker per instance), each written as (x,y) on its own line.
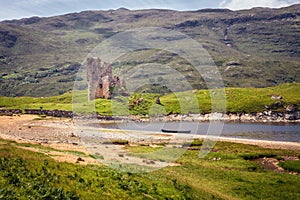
(292,113)
(7,38)
(10,112)
(266,116)
(53,113)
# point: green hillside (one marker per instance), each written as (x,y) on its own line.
(252,48)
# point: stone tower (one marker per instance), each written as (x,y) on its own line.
(99,77)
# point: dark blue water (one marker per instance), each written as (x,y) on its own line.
(262,131)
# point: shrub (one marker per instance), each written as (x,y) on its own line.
(293,165)
(195,143)
(253,156)
(117,142)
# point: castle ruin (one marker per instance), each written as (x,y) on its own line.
(101,83)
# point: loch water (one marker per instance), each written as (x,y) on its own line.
(289,132)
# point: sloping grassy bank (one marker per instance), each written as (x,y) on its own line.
(237,100)
(26,174)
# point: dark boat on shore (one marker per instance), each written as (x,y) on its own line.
(174,131)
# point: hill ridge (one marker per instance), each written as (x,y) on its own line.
(38,54)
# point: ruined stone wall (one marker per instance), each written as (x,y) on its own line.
(101,81)
(99,77)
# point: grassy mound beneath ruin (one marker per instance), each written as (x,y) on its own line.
(199,101)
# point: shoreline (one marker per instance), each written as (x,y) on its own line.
(254,117)
(231,117)
(181,137)
(63,137)
(246,118)
(61,131)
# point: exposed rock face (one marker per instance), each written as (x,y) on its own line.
(100,79)
(7,39)
(292,113)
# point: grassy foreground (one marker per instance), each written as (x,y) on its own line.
(25,174)
(237,100)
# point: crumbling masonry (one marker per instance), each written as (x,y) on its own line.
(100,80)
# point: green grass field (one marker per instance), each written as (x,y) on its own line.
(237,100)
(25,174)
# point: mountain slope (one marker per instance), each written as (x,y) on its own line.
(253,48)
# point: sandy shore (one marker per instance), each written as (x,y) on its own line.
(62,134)
(31,128)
